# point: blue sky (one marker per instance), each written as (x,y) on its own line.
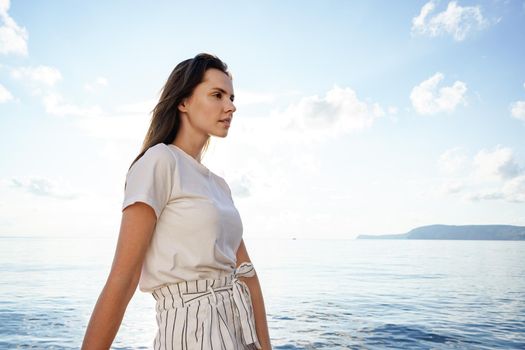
(352,117)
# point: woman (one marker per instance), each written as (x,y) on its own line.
(181,235)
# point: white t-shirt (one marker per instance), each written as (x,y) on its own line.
(198,228)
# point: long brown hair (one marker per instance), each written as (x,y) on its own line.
(165,120)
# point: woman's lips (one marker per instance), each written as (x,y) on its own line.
(226,122)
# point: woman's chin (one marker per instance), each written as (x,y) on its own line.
(222,133)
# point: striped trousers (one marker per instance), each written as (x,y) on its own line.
(206,314)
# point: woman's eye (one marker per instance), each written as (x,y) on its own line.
(217,95)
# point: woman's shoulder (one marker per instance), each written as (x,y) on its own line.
(160,150)
(159,154)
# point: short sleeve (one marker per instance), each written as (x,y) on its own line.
(150,179)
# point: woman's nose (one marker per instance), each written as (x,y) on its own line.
(231,106)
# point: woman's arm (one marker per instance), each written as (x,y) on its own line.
(259,311)
(137,226)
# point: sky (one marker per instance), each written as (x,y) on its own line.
(353,117)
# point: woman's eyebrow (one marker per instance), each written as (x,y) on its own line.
(222,90)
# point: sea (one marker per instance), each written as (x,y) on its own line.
(319,294)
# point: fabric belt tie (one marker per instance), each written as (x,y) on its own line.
(242,305)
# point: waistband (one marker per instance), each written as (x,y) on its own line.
(180,294)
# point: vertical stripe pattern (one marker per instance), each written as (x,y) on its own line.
(206,314)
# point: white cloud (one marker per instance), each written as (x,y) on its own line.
(42,80)
(13,38)
(489,175)
(96,84)
(392,110)
(485,195)
(340,111)
(124,123)
(514,189)
(452,186)
(54,104)
(40,75)
(496,164)
(418,23)
(517,110)
(453,160)
(456,20)
(44,187)
(240,186)
(5,95)
(427,99)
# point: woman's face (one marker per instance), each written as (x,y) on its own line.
(210,108)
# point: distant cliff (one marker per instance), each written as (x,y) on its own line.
(463,232)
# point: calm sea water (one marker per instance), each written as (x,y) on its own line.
(319,294)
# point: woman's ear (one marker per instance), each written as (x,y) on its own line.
(182,105)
